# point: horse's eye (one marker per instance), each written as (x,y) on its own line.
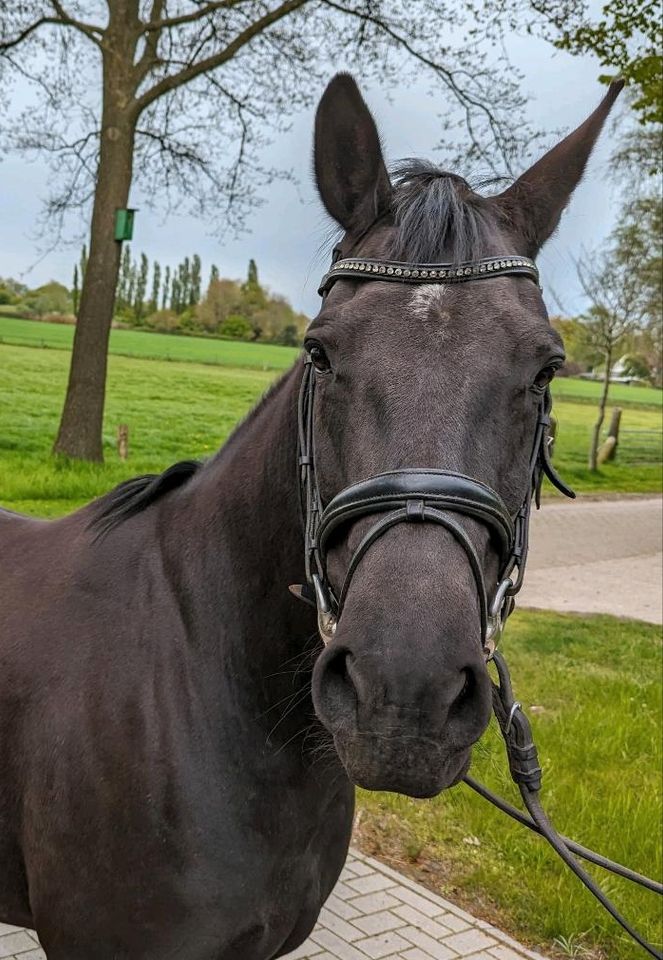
(319,358)
(544,377)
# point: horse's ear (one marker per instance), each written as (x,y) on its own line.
(534,203)
(349,167)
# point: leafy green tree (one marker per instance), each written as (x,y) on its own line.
(223,298)
(638,157)
(580,354)
(253,300)
(618,308)
(196,267)
(637,365)
(11,291)
(131,286)
(627,39)
(163,321)
(83,263)
(237,327)
(289,336)
(184,275)
(52,297)
(638,238)
(75,290)
(156,287)
(276,314)
(176,294)
(124,279)
(141,288)
(165,300)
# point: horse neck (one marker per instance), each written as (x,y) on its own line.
(236,540)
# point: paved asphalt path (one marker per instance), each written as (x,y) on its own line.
(597,556)
(592,556)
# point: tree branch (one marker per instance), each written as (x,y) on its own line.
(150,57)
(62,19)
(467,100)
(154,24)
(89,29)
(194,70)
(9,44)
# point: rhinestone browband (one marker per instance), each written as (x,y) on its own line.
(359,269)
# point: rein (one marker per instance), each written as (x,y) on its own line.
(429,495)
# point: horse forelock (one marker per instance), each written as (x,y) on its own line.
(439,215)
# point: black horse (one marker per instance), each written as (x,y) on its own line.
(177,757)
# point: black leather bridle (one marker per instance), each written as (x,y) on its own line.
(426,495)
(431,495)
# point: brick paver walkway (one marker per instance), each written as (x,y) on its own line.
(374,913)
(377,913)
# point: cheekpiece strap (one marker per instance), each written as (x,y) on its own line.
(403,272)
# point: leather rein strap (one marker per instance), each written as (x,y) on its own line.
(425,495)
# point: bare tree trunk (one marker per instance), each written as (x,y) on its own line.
(596,433)
(80,432)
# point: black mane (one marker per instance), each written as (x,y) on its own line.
(439,216)
(133,496)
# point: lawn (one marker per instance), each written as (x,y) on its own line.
(179,410)
(637,468)
(594,684)
(262,356)
(174,411)
(621,394)
(154,346)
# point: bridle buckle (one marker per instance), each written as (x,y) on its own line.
(327,621)
(497,617)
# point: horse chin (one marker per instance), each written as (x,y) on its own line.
(416,767)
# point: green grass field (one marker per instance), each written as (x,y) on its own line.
(259,356)
(595,686)
(621,394)
(174,411)
(179,409)
(154,346)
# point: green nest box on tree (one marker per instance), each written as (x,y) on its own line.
(124,224)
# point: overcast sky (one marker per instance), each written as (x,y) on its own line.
(285,234)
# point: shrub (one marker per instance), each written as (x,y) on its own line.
(237,327)
(164,321)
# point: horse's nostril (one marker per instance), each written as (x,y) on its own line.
(465,699)
(337,668)
(335,692)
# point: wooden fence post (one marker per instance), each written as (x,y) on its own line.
(608,448)
(123,440)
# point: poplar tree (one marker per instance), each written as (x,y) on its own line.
(123,298)
(165,302)
(195,291)
(75,290)
(141,288)
(156,287)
